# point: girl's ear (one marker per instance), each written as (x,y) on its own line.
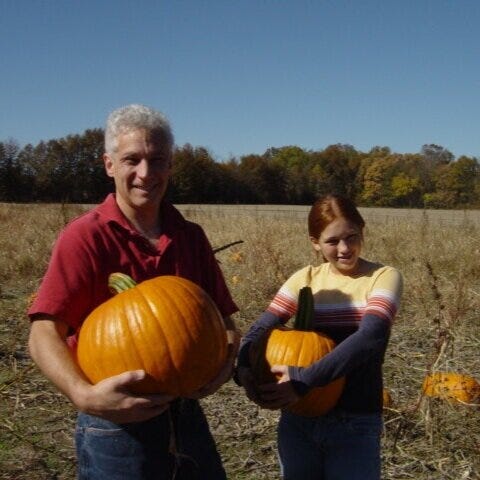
(315,244)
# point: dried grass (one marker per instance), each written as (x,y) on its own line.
(437,328)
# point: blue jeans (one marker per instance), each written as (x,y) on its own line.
(336,446)
(142,451)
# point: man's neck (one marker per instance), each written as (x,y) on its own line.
(145,221)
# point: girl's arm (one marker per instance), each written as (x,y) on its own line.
(265,322)
(368,341)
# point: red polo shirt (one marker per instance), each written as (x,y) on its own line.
(103,241)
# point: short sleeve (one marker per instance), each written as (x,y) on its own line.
(385,295)
(66,289)
(284,303)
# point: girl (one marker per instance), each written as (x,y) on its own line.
(355,303)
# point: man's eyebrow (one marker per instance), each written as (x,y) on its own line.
(158,153)
(129,153)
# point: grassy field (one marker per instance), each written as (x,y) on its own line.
(438,328)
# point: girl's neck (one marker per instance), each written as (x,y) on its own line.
(361,268)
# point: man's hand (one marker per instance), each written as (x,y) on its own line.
(112,400)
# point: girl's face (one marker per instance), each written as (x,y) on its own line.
(340,243)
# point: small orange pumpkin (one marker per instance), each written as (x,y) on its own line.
(387,398)
(452,386)
(298,347)
(167,326)
(237,257)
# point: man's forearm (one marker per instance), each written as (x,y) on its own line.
(233,339)
(51,354)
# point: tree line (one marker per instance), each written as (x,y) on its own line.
(70,170)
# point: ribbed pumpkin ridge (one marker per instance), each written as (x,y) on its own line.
(167,326)
(298,347)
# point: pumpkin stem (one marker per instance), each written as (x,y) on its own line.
(119,282)
(305,310)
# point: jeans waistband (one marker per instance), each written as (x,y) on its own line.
(345,414)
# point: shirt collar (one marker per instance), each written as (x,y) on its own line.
(172,219)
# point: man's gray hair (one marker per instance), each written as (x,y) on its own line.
(136,117)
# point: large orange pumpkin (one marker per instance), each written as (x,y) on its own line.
(167,326)
(298,347)
(452,386)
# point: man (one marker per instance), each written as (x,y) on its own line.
(120,435)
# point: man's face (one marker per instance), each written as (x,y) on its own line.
(140,167)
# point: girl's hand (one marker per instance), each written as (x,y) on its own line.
(245,377)
(280,394)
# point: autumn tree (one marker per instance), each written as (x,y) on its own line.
(455,184)
(70,169)
(406,185)
(405,190)
(377,181)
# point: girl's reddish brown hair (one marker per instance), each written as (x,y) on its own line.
(327,209)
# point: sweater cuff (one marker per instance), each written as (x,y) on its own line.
(300,387)
(243,358)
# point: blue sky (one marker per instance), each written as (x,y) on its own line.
(239,77)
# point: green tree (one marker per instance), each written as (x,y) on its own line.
(265,179)
(11,178)
(340,166)
(194,177)
(231,186)
(295,166)
(69,169)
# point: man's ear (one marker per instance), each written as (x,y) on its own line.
(108,163)
(315,244)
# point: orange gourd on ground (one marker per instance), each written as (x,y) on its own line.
(452,386)
(387,398)
(298,347)
(167,326)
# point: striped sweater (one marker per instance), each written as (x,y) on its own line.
(357,313)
